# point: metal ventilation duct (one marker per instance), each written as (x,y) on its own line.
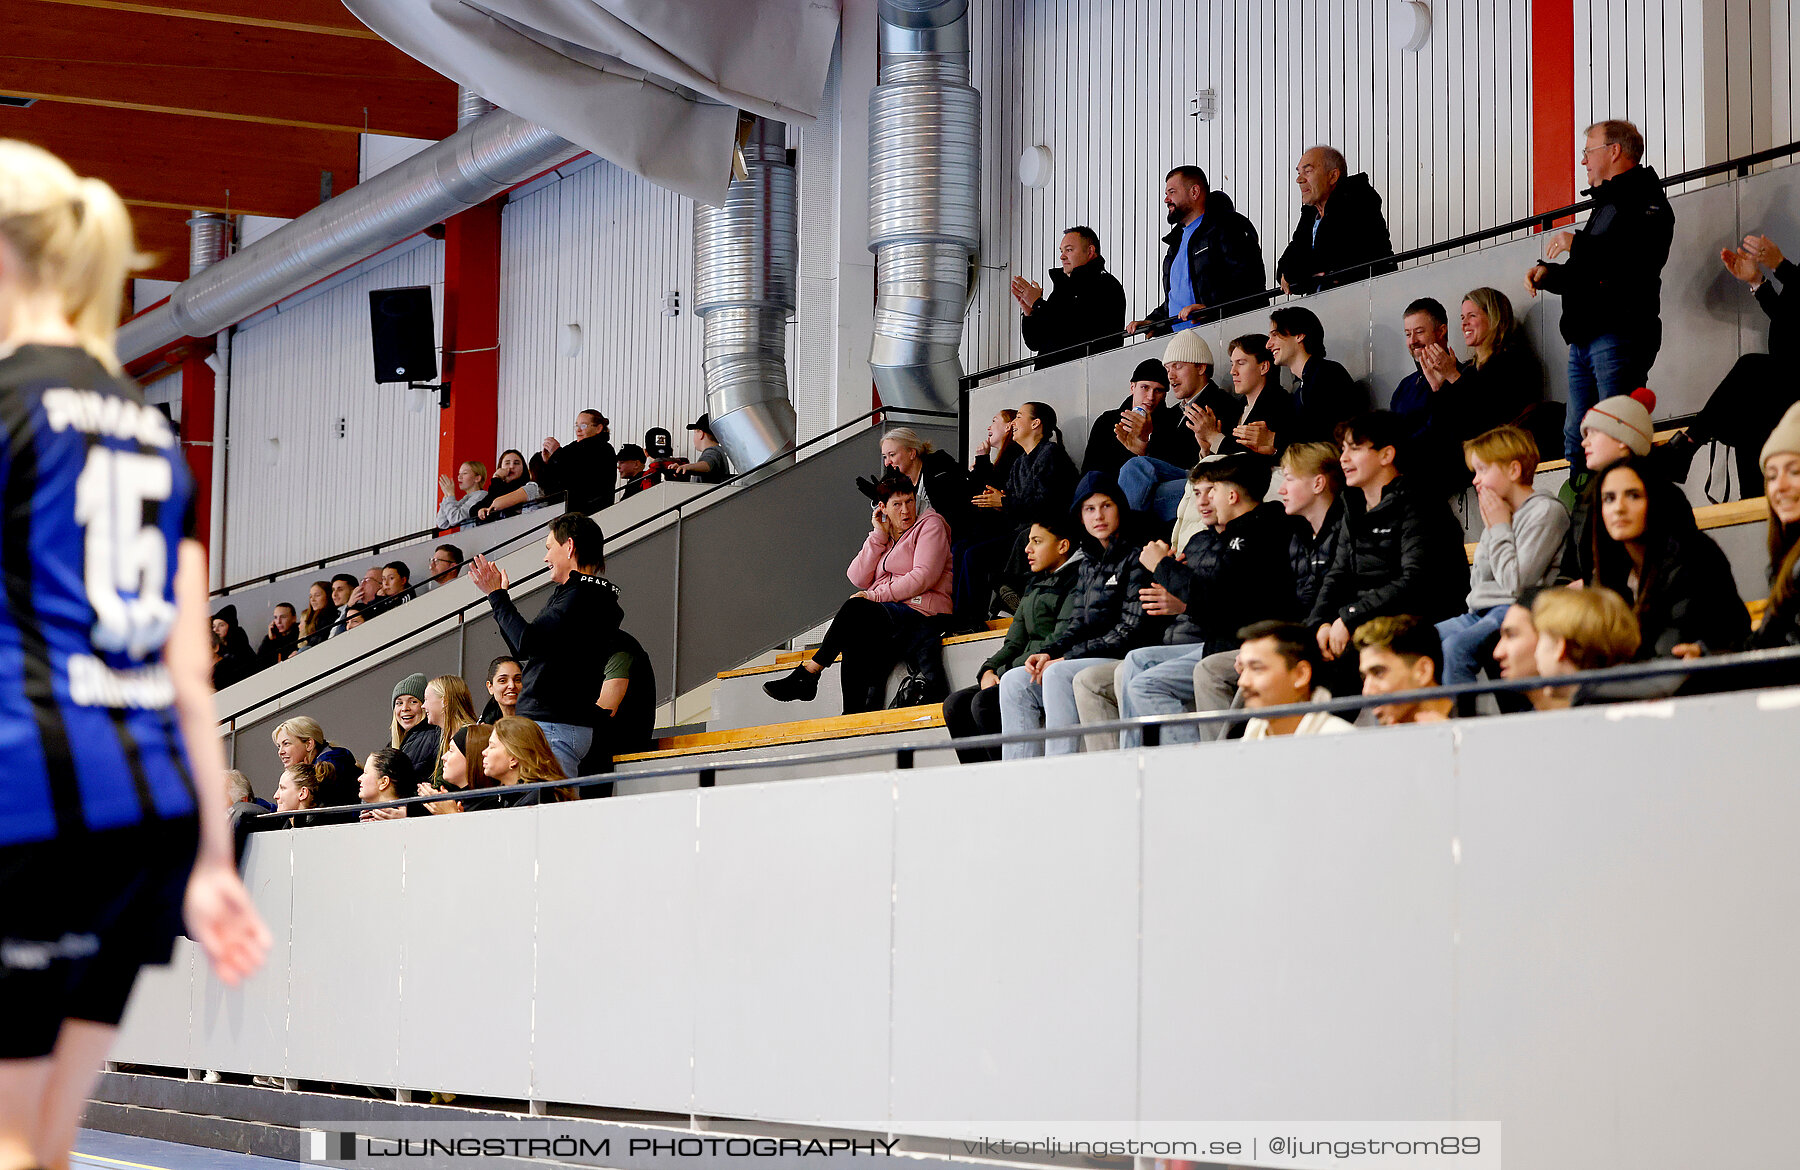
(476,163)
(924,200)
(209,238)
(470,106)
(745,257)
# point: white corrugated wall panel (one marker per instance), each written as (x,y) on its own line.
(598,250)
(1442,133)
(294,488)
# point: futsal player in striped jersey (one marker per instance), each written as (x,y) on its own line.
(112,807)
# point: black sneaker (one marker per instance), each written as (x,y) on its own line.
(798,685)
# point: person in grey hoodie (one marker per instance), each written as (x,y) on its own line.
(1521,539)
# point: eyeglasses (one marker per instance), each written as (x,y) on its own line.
(1587,150)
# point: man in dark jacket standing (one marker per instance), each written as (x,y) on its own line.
(586,469)
(1086,302)
(1341,226)
(1221,258)
(1612,283)
(1399,550)
(1142,425)
(566,646)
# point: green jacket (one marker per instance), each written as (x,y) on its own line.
(1047,602)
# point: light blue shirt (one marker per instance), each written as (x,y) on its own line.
(1181,287)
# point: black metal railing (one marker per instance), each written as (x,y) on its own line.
(1739,167)
(1750,664)
(776,462)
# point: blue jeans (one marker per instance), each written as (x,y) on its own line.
(1136,663)
(1463,636)
(568,742)
(1150,485)
(1167,688)
(1026,706)
(1609,365)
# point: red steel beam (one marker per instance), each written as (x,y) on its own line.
(1552,104)
(469,426)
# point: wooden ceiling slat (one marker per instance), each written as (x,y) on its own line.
(323,17)
(407,109)
(177,161)
(164,235)
(54,32)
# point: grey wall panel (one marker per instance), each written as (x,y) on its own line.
(1700,302)
(616,972)
(1283,914)
(1769,205)
(158,1024)
(1015,946)
(466,923)
(1623,954)
(256,603)
(795,894)
(1500,266)
(243,1029)
(1064,388)
(642,570)
(355,712)
(344,1016)
(724,620)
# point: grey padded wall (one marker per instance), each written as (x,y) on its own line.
(757,565)
(1415,923)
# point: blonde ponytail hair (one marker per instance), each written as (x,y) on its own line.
(70,235)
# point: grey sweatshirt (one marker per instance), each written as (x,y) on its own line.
(1513,557)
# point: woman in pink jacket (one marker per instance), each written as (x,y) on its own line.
(899,612)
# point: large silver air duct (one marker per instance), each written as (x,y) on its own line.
(479,161)
(745,257)
(924,200)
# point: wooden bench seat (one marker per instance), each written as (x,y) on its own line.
(1707,516)
(805,731)
(789,659)
(1658,439)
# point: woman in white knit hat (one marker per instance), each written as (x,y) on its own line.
(1781,484)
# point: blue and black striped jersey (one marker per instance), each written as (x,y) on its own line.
(96,501)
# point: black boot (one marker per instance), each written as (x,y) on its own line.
(798,685)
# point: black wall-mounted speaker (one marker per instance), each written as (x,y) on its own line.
(405,339)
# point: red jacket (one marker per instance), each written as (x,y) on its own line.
(914,569)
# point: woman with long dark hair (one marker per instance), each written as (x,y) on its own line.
(1781,484)
(1647,548)
(319,615)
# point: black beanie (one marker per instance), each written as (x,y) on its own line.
(1151,370)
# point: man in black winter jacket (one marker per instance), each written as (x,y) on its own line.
(1142,425)
(1221,257)
(1612,283)
(1400,549)
(1234,572)
(587,469)
(1086,302)
(1341,227)
(566,646)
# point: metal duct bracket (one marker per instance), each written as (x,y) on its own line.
(924,200)
(746,254)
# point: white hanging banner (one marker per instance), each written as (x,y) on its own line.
(653,86)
